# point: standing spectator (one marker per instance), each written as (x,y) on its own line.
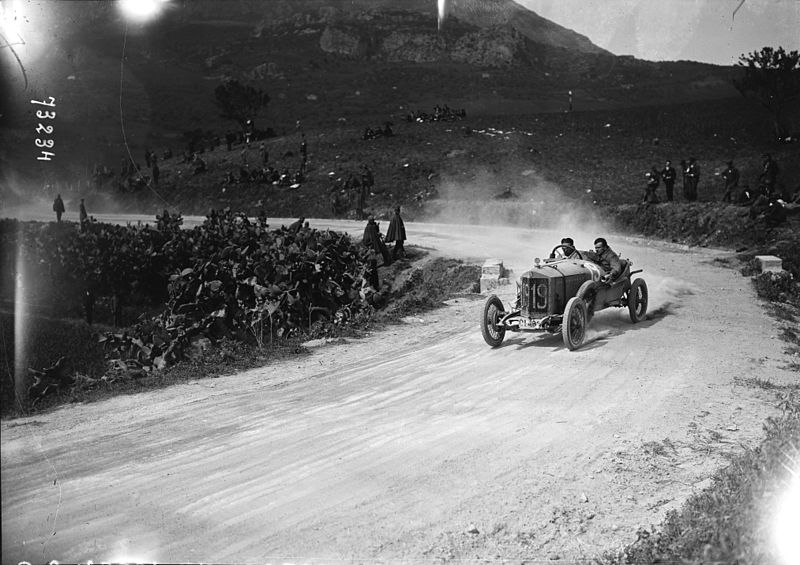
(58,207)
(693,177)
(372,239)
(650,196)
(668,175)
(731,177)
(147,157)
(396,233)
(570,101)
(304,148)
(769,174)
(264,154)
(83,215)
(685,177)
(295,226)
(156,173)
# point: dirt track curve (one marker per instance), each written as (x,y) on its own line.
(419,443)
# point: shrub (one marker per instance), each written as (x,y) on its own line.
(776,286)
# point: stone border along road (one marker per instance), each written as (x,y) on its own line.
(419,442)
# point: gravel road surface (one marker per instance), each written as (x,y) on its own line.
(419,442)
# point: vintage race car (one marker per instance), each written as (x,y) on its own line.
(561,296)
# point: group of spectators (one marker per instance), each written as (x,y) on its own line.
(690,171)
(385,131)
(350,190)
(440,114)
(691,178)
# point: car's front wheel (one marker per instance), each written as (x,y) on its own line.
(573,326)
(637,300)
(492,312)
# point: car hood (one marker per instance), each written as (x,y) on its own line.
(558,269)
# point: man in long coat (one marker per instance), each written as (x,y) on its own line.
(58,207)
(372,239)
(693,178)
(668,176)
(731,177)
(397,233)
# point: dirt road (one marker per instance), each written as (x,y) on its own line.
(417,443)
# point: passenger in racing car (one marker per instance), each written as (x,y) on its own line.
(604,256)
(566,252)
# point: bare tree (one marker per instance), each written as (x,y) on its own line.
(771,76)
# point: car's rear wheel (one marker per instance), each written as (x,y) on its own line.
(492,312)
(637,300)
(573,326)
(587,292)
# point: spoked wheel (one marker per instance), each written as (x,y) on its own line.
(637,300)
(573,327)
(492,312)
(587,292)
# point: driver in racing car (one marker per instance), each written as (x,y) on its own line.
(604,256)
(568,250)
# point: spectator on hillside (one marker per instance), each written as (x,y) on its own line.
(769,174)
(693,179)
(58,207)
(731,178)
(156,173)
(650,196)
(397,233)
(668,175)
(685,177)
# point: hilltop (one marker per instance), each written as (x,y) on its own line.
(323,64)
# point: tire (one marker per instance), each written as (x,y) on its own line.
(587,292)
(492,311)
(637,300)
(573,326)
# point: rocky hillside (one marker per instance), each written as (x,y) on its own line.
(323,63)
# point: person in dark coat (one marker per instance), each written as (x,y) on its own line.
(156,173)
(295,226)
(396,233)
(769,174)
(693,179)
(668,175)
(650,196)
(83,215)
(685,177)
(58,207)
(372,239)
(731,177)
(604,256)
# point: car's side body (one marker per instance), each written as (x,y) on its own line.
(559,289)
